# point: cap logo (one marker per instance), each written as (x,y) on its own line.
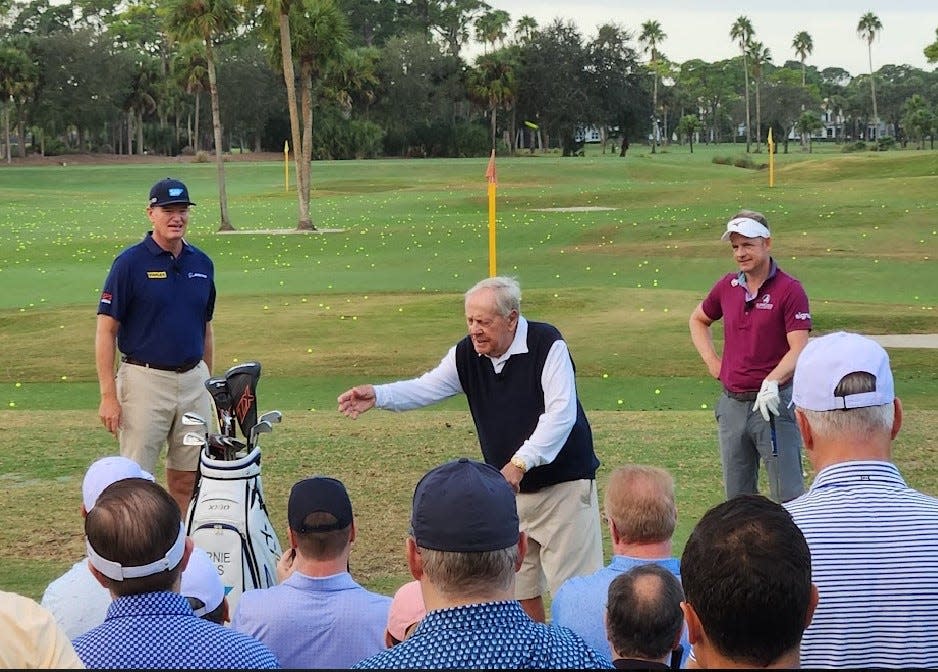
(175,191)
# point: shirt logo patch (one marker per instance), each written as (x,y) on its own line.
(198,275)
(106,297)
(765,304)
(156,275)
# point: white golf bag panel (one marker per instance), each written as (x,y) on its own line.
(228,519)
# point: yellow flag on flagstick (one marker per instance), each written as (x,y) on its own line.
(493,181)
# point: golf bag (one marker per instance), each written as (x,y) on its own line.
(227,516)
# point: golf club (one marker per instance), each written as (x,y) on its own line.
(271,416)
(191,418)
(193,439)
(261,427)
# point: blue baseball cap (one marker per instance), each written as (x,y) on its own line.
(464,506)
(169,192)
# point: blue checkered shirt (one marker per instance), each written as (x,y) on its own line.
(494,635)
(159,630)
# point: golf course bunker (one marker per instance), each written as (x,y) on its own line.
(906,340)
(575,208)
(279,231)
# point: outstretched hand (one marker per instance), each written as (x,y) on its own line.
(357,400)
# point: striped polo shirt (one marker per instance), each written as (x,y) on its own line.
(874,558)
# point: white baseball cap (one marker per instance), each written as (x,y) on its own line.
(200,580)
(746,226)
(826,360)
(105,471)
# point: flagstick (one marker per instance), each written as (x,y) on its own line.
(492,230)
(490,174)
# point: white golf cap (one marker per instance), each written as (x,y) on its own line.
(200,580)
(746,226)
(105,471)
(826,360)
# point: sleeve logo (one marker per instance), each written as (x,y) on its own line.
(106,297)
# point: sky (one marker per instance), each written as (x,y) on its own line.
(700,28)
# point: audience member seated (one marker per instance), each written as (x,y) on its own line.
(465,547)
(137,548)
(318,616)
(30,638)
(406,612)
(76,599)
(203,588)
(641,516)
(873,539)
(748,594)
(644,620)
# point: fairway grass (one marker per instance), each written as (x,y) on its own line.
(381,298)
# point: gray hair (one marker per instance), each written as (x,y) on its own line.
(470,574)
(507,293)
(752,214)
(857,423)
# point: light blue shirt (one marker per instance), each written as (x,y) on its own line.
(328,622)
(874,559)
(580,603)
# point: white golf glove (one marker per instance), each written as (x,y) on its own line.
(767,400)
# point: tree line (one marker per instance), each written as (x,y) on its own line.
(365,78)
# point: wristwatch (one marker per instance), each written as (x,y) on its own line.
(518,462)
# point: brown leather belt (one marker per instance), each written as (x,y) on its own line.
(160,367)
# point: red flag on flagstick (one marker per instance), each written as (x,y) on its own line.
(490,170)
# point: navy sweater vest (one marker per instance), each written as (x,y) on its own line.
(506,407)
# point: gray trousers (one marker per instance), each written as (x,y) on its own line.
(745,438)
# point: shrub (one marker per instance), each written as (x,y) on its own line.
(858,146)
(201,156)
(885,143)
(722,160)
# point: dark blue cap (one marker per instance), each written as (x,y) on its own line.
(319,494)
(464,506)
(168,192)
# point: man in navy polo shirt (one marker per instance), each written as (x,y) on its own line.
(766,322)
(156,308)
(519,379)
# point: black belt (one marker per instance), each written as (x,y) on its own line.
(160,367)
(748,396)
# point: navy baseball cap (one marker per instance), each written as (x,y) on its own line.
(464,506)
(319,494)
(169,192)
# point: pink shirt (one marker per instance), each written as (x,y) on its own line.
(755,328)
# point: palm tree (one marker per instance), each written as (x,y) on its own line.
(320,37)
(492,82)
(759,55)
(492,27)
(650,37)
(190,62)
(279,11)
(525,27)
(867,29)
(742,32)
(206,21)
(803,46)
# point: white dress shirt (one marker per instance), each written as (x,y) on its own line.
(557,380)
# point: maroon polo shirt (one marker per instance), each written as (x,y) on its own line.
(755,330)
